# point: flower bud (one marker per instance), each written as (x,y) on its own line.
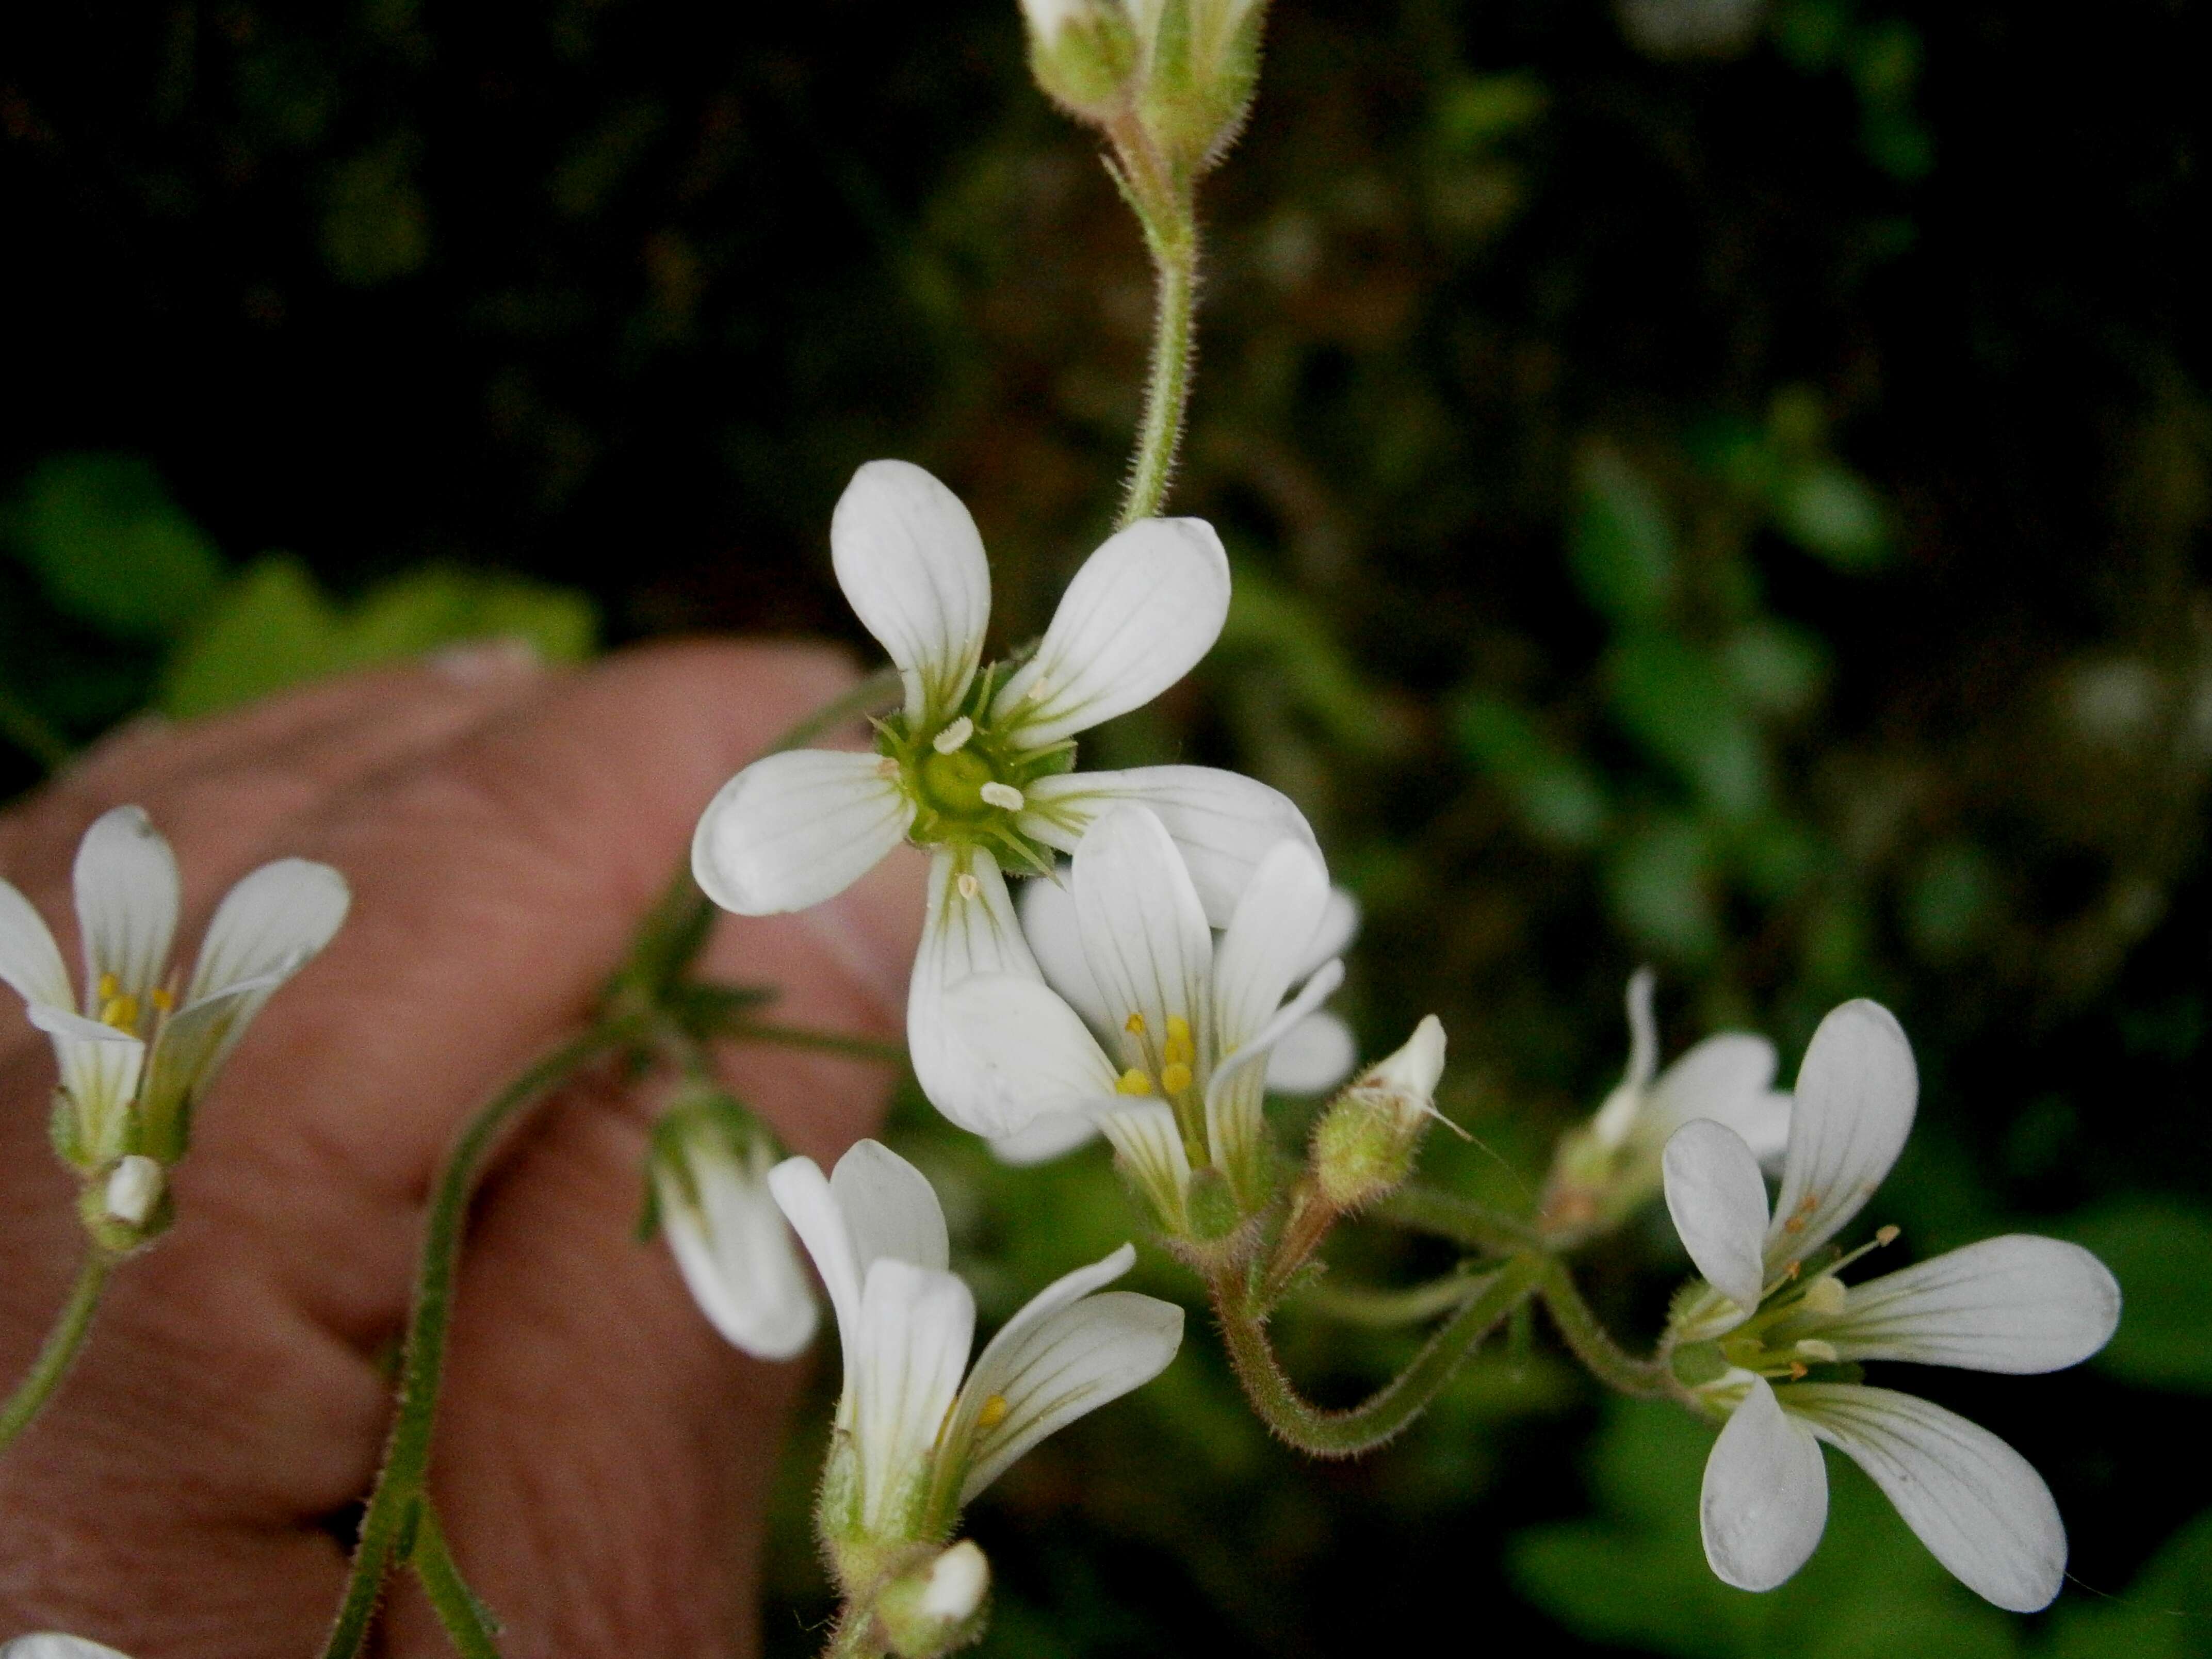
(1203,63)
(939,1608)
(1363,1146)
(128,1207)
(1085,54)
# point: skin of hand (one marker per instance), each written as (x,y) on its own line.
(602,1458)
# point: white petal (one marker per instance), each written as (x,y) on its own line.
(1718,1201)
(916,1326)
(52,1644)
(736,1255)
(1053,1135)
(1149,1143)
(1982,1510)
(961,935)
(794,829)
(1048,911)
(1314,1055)
(1143,929)
(1624,1108)
(99,1069)
(889,1206)
(1137,616)
(2018,1304)
(269,926)
(1340,926)
(1031,1055)
(802,1192)
(1260,952)
(189,1051)
(912,570)
(126,903)
(1234,1094)
(30,960)
(1765,1498)
(1719,1078)
(1067,1354)
(1222,823)
(1855,1099)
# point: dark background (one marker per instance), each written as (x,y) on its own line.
(1714,483)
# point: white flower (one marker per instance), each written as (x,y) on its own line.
(1611,1166)
(138,1049)
(912,1445)
(52,1644)
(710,1168)
(977,765)
(1169,1054)
(1781,1320)
(1311,1058)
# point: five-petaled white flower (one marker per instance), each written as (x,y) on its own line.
(710,1165)
(1781,1335)
(977,765)
(1312,1057)
(912,1445)
(1168,1052)
(139,1049)
(1610,1166)
(52,1644)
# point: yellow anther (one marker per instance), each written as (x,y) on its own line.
(1135,1025)
(1796,1370)
(121,1012)
(1174,1077)
(162,998)
(1132,1082)
(1178,1029)
(1885,1234)
(1791,1271)
(110,988)
(993,1413)
(1178,1046)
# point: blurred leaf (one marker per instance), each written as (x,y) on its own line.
(1621,547)
(1268,620)
(1831,513)
(274,628)
(1660,884)
(1774,668)
(2161,1251)
(2167,1613)
(1473,112)
(1557,798)
(1951,900)
(111,547)
(376,226)
(1680,703)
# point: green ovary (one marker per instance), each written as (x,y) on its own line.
(952,785)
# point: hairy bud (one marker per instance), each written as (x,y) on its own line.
(1085,54)
(1363,1146)
(938,1607)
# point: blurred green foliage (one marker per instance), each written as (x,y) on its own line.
(1721,483)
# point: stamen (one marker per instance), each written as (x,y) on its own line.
(1175,1076)
(969,886)
(1797,1369)
(953,736)
(1802,1213)
(1813,1348)
(1886,1235)
(110,988)
(1003,794)
(162,998)
(993,1413)
(1132,1082)
(1825,1295)
(888,769)
(1135,1025)
(121,1012)
(1179,1047)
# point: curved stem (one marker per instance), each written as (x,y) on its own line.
(1463,1221)
(458,1609)
(402,1484)
(1387,1412)
(1361,1304)
(70,1328)
(1611,1364)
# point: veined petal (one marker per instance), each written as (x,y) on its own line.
(269,926)
(795,829)
(1235,1094)
(2019,1304)
(916,1326)
(735,1252)
(126,904)
(912,567)
(1265,941)
(1717,1078)
(1137,616)
(188,1050)
(1148,1141)
(52,1644)
(1340,926)
(802,1192)
(968,927)
(1053,1135)
(30,960)
(889,1208)
(1978,1505)
(1855,1099)
(1068,1352)
(1056,937)
(1032,1056)
(1718,1202)
(1143,930)
(1314,1055)
(1240,1062)
(1765,1498)
(99,1069)
(1222,823)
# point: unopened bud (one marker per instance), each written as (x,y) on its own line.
(1363,1146)
(128,1208)
(1202,64)
(1085,54)
(937,1609)
(134,1186)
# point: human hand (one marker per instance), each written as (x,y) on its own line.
(602,1457)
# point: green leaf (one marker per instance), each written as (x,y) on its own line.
(2167,1613)
(1559,798)
(1680,703)
(111,547)
(1620,546)
(1660,881)
(1268,620)
(1473,112)
(1834,516)
(2161,1251)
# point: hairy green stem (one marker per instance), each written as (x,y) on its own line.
(401,1485)
(1172,233)
(1389,1409)
(1612,1364)
(854,1637)
(1361,1304)
(1462,1220)
(70,1329)
(456,1606)
(30,732)
(879,690)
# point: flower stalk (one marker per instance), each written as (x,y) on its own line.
(62,1343)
